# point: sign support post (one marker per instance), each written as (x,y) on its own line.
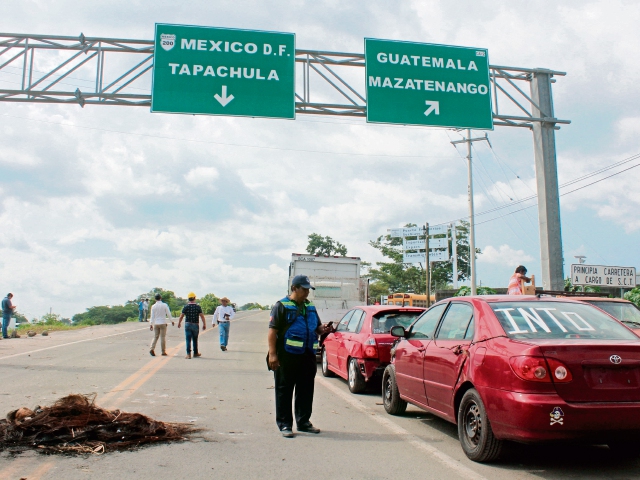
(454,249)
(544,145)
(427,264)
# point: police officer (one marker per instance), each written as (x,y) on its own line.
(293,340)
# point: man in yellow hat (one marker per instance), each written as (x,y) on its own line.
(192,312)
(222,316)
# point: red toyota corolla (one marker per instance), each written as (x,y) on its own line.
(359,349)
(525,368)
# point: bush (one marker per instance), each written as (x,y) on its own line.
(465,291)
(633,296)
(106,314)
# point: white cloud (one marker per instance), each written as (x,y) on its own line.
(504,255)
(202,176)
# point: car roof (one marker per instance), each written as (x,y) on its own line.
(514,298)
(380,308)
(602,299)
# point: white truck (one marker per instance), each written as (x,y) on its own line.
(337,281)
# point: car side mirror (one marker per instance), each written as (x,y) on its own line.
(398,331)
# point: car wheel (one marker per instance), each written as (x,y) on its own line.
(325,364)
(391,400)
(474,429)
(356,381)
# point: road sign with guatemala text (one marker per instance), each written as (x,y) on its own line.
(222,71)
(427,84)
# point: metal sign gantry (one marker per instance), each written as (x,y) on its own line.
(110,71)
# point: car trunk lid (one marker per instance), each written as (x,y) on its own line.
(601,373)
(384,343)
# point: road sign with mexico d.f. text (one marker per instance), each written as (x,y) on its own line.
(223,71)
(603,276)
(427,84)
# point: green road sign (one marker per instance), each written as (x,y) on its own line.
(427,84)
(222,71)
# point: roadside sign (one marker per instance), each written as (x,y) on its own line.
(427,84)
(420,244)
(438,229)
(420,257)
(223,71)
(603,276)
(407,232)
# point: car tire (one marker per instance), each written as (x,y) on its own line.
(325,364)
(474,429)
(356,381)
(391,400)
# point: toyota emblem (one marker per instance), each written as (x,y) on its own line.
(615,359)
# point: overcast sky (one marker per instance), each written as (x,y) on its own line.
(100,204)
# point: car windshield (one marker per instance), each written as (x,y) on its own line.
(383,321)
(557,320)
(627,313)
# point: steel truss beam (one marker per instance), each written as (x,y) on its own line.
(76,66)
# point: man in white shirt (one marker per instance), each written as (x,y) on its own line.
(160,318)
(222,316)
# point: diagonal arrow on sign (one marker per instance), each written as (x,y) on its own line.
(433,107)
(224,99)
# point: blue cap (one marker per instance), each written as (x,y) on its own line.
(302,281)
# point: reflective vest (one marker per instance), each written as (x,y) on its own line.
(301,334)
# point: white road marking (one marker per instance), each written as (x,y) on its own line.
(407,436)
(71,343)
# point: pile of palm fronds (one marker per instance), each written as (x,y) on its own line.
(74,424)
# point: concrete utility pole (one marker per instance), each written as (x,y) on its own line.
(544,144)
(472,228)
(454,248)
(427,264)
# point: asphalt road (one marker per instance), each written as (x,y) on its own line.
(230,395)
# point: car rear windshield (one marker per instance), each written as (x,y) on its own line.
(625,312)
(558,320)
(383,321)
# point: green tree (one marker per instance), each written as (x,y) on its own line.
(168,297)
(319,245)
(209,303)
(442,272)
(106,314)
(254,306)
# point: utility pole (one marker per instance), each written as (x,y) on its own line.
(454,248)
(544,145)
(472,228)
(427,264)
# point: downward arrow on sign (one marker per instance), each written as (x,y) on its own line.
(224,100)
(433,107)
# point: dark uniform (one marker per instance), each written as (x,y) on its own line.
(296,347)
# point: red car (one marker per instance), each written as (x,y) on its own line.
(525,368)
(359,348)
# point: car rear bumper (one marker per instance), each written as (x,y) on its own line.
(372,369)
(528,418)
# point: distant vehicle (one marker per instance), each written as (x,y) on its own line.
(526,369)
(359,349)
(408,300)
(623,310)
(336,280)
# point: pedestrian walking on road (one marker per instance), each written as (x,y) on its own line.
(222,316)
(146,309)
(191,312)
(7,311)
(141,310)
(294,327)
(517,280)
(160,318)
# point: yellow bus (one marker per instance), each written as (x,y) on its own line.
(408,300)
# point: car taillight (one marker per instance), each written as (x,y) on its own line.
(370,348)
(560,371)
(536,369)
(533,369)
